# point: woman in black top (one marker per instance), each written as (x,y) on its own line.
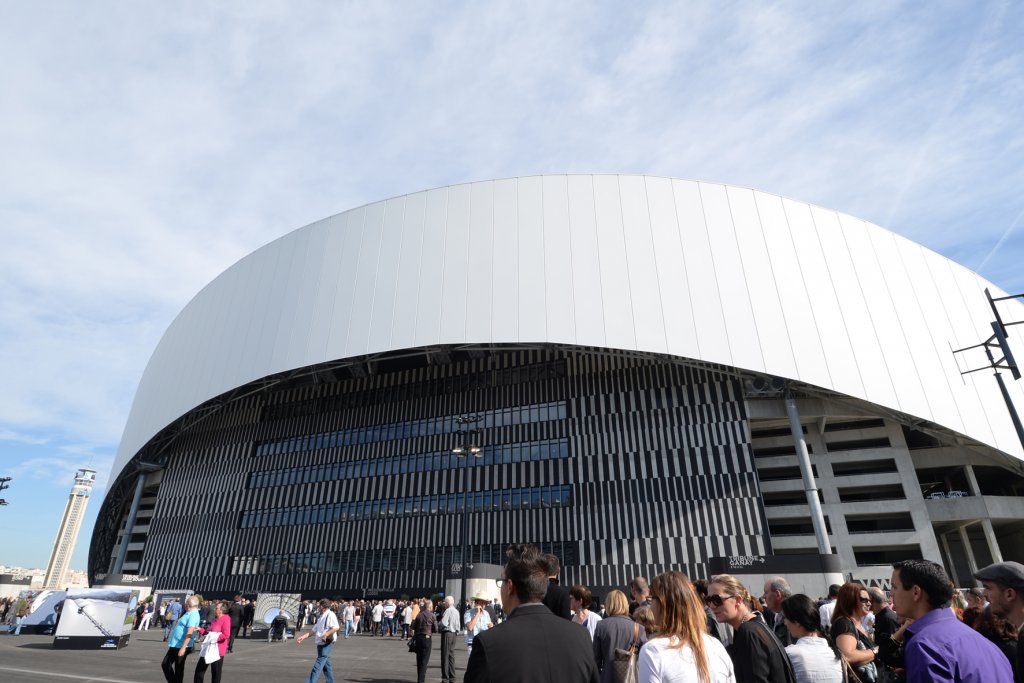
(757,655)
(423,628)
(848,634)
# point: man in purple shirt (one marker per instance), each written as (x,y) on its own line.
(939,647)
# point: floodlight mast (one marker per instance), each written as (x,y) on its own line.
(999,330)
(999,341)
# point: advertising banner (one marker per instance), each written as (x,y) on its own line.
(96,618)
(143,584)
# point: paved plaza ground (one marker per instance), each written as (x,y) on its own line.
(360,659)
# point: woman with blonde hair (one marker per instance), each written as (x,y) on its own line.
(683,650)
(616,631)
(756,653)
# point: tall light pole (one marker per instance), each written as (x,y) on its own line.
(469,447)
(999,341)
(3,485)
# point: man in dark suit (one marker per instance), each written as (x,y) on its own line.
(235,612)
(532,644)
(248,616)
(777,589)
(556,598)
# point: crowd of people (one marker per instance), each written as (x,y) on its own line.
(672,629)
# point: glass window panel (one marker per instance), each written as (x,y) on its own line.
(506,500)
(545,497)
(517,498)
(535,498)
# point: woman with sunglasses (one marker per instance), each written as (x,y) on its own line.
(814,659)
(683,650)
(848,632)
(757,654)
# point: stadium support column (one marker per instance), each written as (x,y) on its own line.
(133,512)
(810,486)
(972,564)
(986,523)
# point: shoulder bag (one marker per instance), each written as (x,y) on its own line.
(624,661)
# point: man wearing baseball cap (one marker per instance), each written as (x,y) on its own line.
(1004,590)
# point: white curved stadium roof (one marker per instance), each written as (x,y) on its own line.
(700,270)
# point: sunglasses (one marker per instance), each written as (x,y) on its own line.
(717,600)
(865,601)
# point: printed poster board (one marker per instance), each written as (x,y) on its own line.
(271,605)
(96,618)
(44,611)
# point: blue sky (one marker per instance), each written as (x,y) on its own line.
(146,146)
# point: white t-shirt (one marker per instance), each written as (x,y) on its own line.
(825,615)
(814,661)
(659,663)
(378,612)
(325,623)
(590,624)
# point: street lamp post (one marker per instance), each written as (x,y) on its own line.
(469,447)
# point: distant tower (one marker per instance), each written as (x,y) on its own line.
(70,525)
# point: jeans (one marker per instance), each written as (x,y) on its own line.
(168,625)
(349,627)
(17,625)
(323,663)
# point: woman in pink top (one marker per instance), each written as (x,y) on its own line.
(221,624)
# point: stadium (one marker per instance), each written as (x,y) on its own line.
(612,367)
